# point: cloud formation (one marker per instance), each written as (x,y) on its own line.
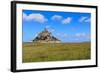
(37,17)
(80,34)
(62,35)
(50,28)
(56,17)
(87,20)
(24,16)
(67,20)
(84,19)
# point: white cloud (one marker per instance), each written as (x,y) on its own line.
(80,34)
(48,26)
(83,35)
(67,20)
(24,16)
(35,17)
(87,20)
(62,35)
(56,17)
(84,19)
(52,30)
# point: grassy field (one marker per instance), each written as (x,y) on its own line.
(40,52)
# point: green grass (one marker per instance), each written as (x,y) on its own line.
(40,52)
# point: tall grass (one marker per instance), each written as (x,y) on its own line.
(40,52)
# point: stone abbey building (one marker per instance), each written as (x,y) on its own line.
(46,37)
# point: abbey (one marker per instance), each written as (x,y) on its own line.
(46,37)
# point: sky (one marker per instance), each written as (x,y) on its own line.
(66,26)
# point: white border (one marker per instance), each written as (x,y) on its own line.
(37,65)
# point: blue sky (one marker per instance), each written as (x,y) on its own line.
(66,26)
